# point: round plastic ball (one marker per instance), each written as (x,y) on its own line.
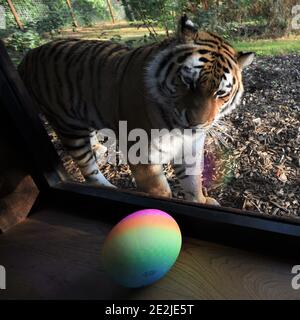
(141,248)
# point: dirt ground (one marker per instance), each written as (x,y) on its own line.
(255,162)
(265,144)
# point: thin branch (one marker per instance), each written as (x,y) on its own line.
(72,13)
(15,14)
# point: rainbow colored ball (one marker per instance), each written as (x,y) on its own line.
(141,248)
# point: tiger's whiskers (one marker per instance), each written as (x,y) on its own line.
(217,132)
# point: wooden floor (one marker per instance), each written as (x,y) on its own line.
(54,255)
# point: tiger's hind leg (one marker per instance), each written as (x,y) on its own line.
(80,148)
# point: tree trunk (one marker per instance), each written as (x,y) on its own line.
(128,10)
(281,16)
(75,23)
(15,14)
(111,10)
(205,5)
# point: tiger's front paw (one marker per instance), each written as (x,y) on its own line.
(202,199)
(208,200)
(211,201)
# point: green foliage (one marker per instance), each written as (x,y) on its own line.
(42,16)
(22,41)
(29,10)
(162,13)
(38,15)
(146,39)
(56,17)
(89,11)
(116,38)
(233,18)
(49,15)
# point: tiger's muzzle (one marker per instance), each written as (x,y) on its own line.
(204,114)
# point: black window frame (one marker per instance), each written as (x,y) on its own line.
(234,227)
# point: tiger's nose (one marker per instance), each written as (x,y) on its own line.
(203,115)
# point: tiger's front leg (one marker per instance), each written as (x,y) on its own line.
(80,148)
(150,178)
(192,185)
(189,171)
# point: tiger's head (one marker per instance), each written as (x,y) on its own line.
(199,77)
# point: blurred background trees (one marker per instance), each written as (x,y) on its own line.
(237,18)
(233,19)
(242,16)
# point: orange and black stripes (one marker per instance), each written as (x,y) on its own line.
(86,85)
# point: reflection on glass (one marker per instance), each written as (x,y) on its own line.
(250,159)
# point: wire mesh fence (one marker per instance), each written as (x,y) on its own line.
(51,15)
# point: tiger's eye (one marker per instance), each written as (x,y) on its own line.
(220,93)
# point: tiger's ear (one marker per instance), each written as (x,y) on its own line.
(186,29)
(245,59)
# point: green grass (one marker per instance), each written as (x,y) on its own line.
(269,47)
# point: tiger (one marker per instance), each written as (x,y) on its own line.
(189,80)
